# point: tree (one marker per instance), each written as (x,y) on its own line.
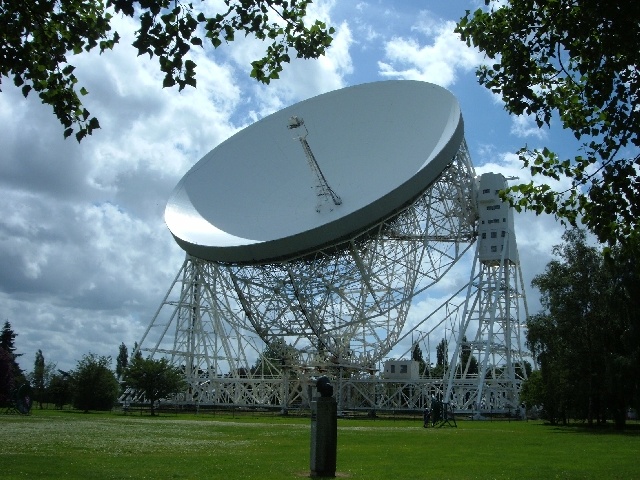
(7,382)
(7,343)
(442,359)
(41,377)
(156,379)
(416,355)
(442,353)
(467,358)
(567,335)
(39,38)
(575,61)
(60,390)
(532,393)
(276,355)
(7,338)
(137,353)
(623,341)
(556,377)
(584,339)
(95,387)
(122,361)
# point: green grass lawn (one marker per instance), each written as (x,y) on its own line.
(53,444)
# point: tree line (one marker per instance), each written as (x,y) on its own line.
(92,385)
(586,339)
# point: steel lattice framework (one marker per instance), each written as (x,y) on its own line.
(344,305)
(497,310)
(342,309)
(349,301)
(487,366)
(273,293)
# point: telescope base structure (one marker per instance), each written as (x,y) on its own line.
(488,366)
(356,397)
(257,335)
(344,305)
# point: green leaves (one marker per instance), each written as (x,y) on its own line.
(578,65)
(154,378)
(172,34)
(579,340)
(36,43)
(39,37)
(95,386)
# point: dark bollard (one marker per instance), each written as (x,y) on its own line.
(324,431)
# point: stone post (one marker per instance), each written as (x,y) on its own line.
(324,431)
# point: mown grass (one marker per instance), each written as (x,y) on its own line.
(53,444)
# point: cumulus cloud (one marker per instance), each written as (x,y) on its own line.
(525,126)
(82,238)
(301,79)
(433,53)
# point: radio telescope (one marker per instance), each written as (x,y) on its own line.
(317,227)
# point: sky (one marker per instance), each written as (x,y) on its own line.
(85,255)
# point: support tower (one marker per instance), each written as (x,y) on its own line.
(487,366)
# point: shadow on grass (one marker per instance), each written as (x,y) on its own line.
(630,429)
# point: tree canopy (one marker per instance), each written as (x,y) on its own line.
(122,360)
(277,355)
(95,387)
(15,375)
(467,361)
(39,40)
(442,359)
(416,354)
(41,377)
(7,382)
(576,62)
(156,379)
(8,338)
(586,338)
(60,390)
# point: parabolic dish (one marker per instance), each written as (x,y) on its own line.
(253,198)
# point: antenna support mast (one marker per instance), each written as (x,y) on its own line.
(323,190)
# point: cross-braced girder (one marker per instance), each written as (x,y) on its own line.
(199,331)
(349,301)
(487,367)
(343,308)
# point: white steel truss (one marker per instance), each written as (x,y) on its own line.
(194,329)
(348,303)
(344,308)
(343,305)
(487,367)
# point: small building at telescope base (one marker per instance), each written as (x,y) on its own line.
(401,370)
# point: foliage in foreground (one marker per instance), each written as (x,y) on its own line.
(577,62)
(39,39)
